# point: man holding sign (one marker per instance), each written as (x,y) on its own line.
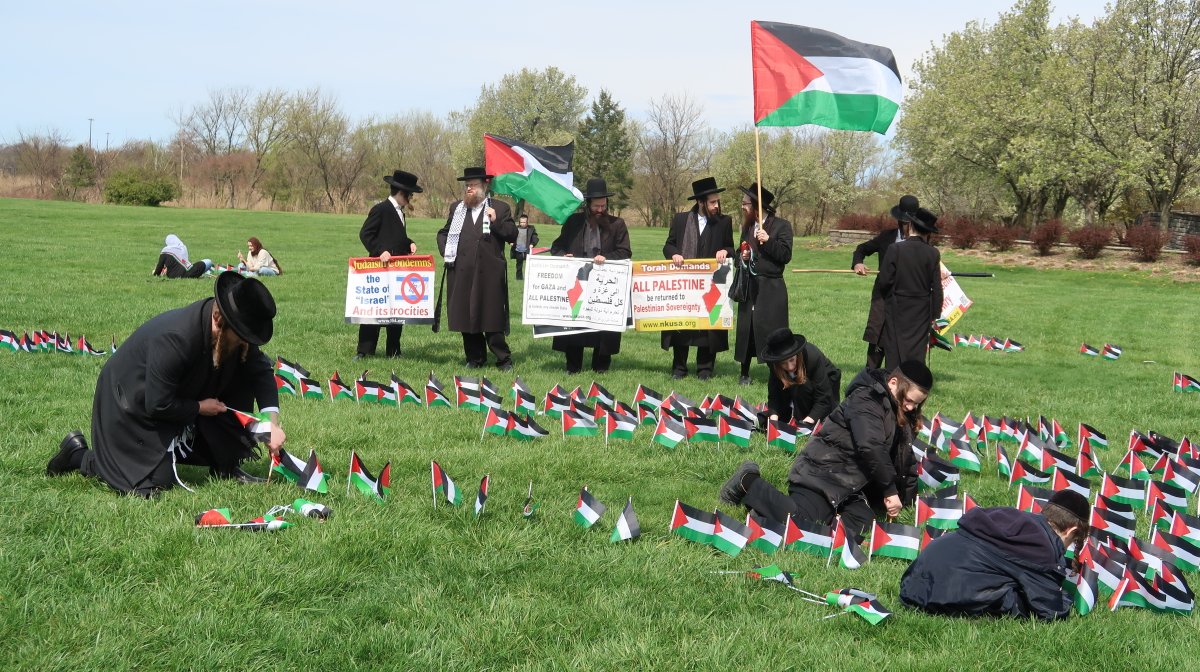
(384,235)
(700,233)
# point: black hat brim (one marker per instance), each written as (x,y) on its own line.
(769,357)
(402,186)
(925,221)
(254,335)
(464,178)
(704,193)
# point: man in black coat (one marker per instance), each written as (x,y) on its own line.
(162,398)
(910,282)
(767,249)
(594,234)
(700,233)
(907,208)
(522,247)
(1000,562)
(861,460)
(385,235)
(475,271)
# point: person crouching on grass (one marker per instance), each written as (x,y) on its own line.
(804,385)
(1001,562)
(861,462)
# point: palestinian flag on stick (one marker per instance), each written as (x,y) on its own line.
(735,431)
(257,424)
(701,430)
(871,611)
(943,513)
(1088,465)
(579,423)
(1188,383)
(812,538)
(404,392)
(805,75)
(307,475)
(845,547)
(781,435)
(434,396)
(729,536)
(1111,352)
(1083,588)
(693,524)
(284,386)
(367,484)
(588,509)
(338,389)
(1123,490)
(619,426)
(668,432)
(85,348)
(499,423)
(1088,350)
(627,527)
(444,485)
(481,497)
(9,340)
(1172,497)
(311,389)
(540,175)
(1065,480)
(555,404)
(291,371)
(765,534)
(894,540)
(525,428)
(647,398)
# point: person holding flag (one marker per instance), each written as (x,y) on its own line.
(1001,562)
(385,235)
(804,385)
(767,248)
(908,208)
(699,233)
(860,461)
(162,398)
(910,283)
(594,234)
(476,274)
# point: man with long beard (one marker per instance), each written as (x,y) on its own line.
(476,273)
(767,249)
(700,233)
(597,235)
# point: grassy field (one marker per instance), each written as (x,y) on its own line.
(93,581)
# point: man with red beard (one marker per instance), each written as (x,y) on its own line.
(476,273)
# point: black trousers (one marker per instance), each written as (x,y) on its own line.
(706,360)
(874,356)
(520,267)
(368,339)
(805,504)
(475,347)
(601,361)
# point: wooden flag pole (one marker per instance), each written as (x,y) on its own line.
(433,488)
(758,181)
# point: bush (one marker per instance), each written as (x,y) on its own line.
(1191,247)
(136,186)
(859,222)
(1147,242)
(1091,240)
(964,233)
(1002,237)
(1046,235)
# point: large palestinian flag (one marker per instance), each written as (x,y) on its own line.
(540,175)
(804,75)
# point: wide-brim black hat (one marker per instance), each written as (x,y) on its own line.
(403,181)
(597,188)
(752,192)
(906,210)
(474,173)
(781,344)
(924,221)
(704,187)
(246,306)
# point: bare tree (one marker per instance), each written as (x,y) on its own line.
(218,127)
(266,129)
(321,132)
(43,157)
(667,153)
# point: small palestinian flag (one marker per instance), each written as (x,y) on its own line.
(214,518)
(525,428)
(1183,525)
(444,485)
(1185,552)
(555,404)
(490,398)
(405,392)
(524,403)
(647,398)
(1088,350)
(1172,497)
(597,393)
(693,524)
(284,386)
(85,348)
(1003,465)
(9,340)
(1188,383)
(63,344)
(367,484)
(646,416)
(579,423)
(311,389)
(588,509)
(1083,588)
(627,527)
(1117,508)
(940,341)
(257,424)
(893,540)
(434,396)
(846,547)
(1123,490)
(1053,459)
(530,507)
(772,573)
(368,391)
(943,513)
(929,533)
(812,538)
(729,536)
(735,431)
(1134,467)
(871,611)
(1012,346)
(765,534)
(1143,445)
(311,509)
(338,389)
(1091,437)
(781,435)
(467,393)
(619,426)
(307,475)
(1112,523)
(1065,480)
(948,492)
(701,430)
(934,474)
(1178,474)
(1027,475)
(961,456)
(482,495)
(1110,351)
(1087,463)
(496,422)
(1031,499)
(291,371)
(669,432)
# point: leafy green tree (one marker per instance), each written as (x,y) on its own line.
(604,148)
(139,186)
(80,173)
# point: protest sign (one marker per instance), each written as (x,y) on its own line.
(691,295)
(954,301)
(398,292)
(576,293)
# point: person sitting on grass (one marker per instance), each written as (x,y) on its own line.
(173,261)
(859,463)
(1001,562)
(260,262)
(804,385)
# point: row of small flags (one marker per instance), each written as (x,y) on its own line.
(978,342)
(1181,382)
(270,521)
(50,341)
(1109,351)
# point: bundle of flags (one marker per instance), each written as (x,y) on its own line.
(1182,382)
(1109,351)
(268,522)
(50,341)
(987,343)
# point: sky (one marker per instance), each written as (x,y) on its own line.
(132,67)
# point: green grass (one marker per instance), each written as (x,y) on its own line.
(92,580)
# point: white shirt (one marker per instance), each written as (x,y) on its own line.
(701,222)
(397,207)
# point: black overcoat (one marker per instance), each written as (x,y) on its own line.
(716,236)
(151,388)
(476,286)
(877,245)
(910,281)
(815,398)
(614,244)
(770,308)
(384,231)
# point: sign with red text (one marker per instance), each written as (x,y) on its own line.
(692,295)
(398,292)
(575,294)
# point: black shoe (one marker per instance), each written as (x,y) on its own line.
(69,456)
(357,356)
(744,380)
(678,375)
(474,365)
(505,366)
(734,489)
(236,474)
(704,375)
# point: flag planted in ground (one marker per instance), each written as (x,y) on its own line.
(619,426)
(526,428)
(588,509)
(735,431)
(766,535)
(290,370)
(284,386)
(305,474)
(311,389)
(497,422)
(692,523)
(894,540)
(443,485)
(481,496)
(943,513)
(364,482)
(669,432)
(1088,350)
(579,423)
(806,537)
(338,389)
(627,527)
(729,536)
(845,547)
(434,395)
(781,435)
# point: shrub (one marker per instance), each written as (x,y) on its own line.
(859,222)
(1191,247)
(963,232)
(1046,235)
(1147,242)
(1002,237)
(1091,240)
(136,186)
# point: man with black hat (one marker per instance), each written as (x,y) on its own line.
(1001,562)
(700,233)
(385,235)
(858,464)
(910,282)
(476,273)
(767,249)
(880,244)
(599,236)
(162,398)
